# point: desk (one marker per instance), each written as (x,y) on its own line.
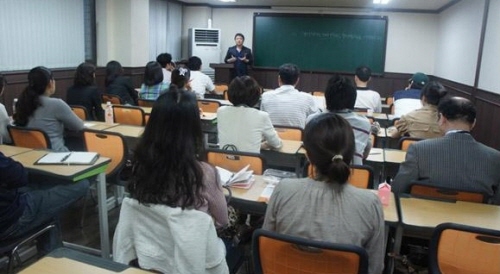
(290,155)
(222,102)
(96,125)
(386,155)
(127,130)
(63,260)
(10,151)
(75,173)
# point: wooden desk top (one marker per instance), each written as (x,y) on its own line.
(290,147)
(49,265)
(430,213)
(127,130)
(97,125)
(147,110)
(208,116)
(391,155)
(254,193)
(69,172)
(10,151)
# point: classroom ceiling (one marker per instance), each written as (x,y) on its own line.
(396,5)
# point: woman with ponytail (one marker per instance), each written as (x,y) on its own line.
(36,109)
(327,208)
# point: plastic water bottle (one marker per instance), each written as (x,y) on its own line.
(14,103)
(108,113)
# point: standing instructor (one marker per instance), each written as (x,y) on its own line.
(240,56)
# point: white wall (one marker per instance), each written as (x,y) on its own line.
(411,38)
(458,41)
(123,32)
(490,68)
(34,33)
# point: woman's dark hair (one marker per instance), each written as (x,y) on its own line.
(153,74)
(113,70)
(329,142)
(29,100)
(433,92)
(340,93)
(180,77)
(85,75)
(244,90)
(166,168)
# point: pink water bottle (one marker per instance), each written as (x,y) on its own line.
(384,193)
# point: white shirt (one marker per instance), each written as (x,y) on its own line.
(245,128)
(167,76)
(200,83)
(4,122)
(369,99)
(288,107)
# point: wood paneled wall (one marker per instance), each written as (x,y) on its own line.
(487,103)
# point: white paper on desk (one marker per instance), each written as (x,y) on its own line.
(62,158)
(88,124)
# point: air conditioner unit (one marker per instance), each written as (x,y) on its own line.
(205,43)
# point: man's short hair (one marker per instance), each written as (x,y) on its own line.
(239,34)
(194,63)
(363,73)
(340,93)
(164,59)
(458,109)
(289,74)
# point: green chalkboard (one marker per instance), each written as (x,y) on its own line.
(320,42)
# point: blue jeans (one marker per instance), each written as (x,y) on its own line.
(44,205)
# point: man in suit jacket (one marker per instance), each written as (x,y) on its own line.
(454,161)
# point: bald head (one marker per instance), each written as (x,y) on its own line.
(458,109)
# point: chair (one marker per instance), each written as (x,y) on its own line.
(405,142)
(418,189)
(221,88)
(461,249)
(111,145)
(361,175)
(128,115)
(29,137)
(114,99)
(289,133)
(209,105)
(226,96)
(278,253)
(146,118)
(80,111)
(10,247)
(236,160)
(318,93)
(145,103)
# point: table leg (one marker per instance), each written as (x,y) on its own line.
(103,215)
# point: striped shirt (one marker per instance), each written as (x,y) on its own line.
(288,107)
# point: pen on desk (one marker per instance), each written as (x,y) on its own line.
(66,157)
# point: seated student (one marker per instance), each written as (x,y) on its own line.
(84,92)
(27,205)
(153,84)
(180,78)
(242,125)
(422,123)
(4,117)
(168,172)
(340,95)
(117,84)
(165,61)
(36,109)
(326,207)
(286,105)
(456,160)
(200,82)
(366,98)
(408,99)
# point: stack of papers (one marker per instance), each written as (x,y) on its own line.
(68,158)
(241,179)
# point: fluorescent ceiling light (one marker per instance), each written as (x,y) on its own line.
(227,1)
(384,2)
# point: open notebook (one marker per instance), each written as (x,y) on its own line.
(242,179)
(68,158)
